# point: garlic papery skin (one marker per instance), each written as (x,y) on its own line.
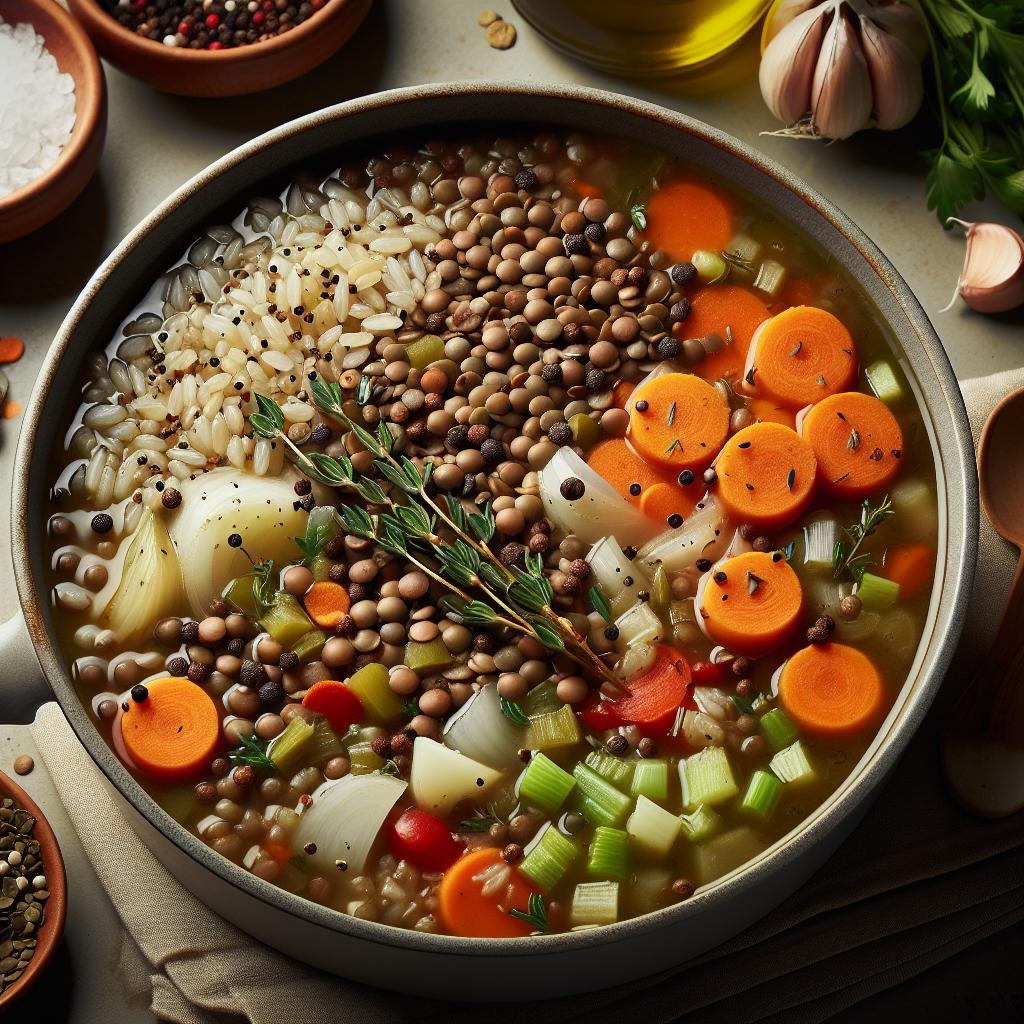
(841,91)
(897,19)
(787,67)
(781,13)
(992,279)
(897,85)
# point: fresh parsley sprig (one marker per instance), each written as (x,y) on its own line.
(252,752)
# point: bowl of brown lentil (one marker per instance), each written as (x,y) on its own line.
(33,893)
(229,48)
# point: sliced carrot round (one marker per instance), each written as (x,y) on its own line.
(751,603)
(766,410)
(615,461)
(766,475)
(912,566)
(174,733)
(662,501)
(464,909)
(336,702)
(684,216)
(678,421)
(831,690)
(801,355)
(653,697)
(327,603)
(857,442)
(731,311)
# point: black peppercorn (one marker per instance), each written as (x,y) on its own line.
(235,540)
(252,674)
(511,554)
(140,694)
(178,666)
(102,523)
(668,348)
(457,437)
(675,520)
(288,662)
(271,694)
(686,477)
(552,373)
(595,232)
(683,274)
(235,646)
(820,632)
(320,434)
(647,747)
(358,592)
(642,405)
(680,311)
(189,632)
(170,498)
(617,745)
(302,487)
(611,633)
(576,245)
(492,450)
(560,433)
(595,379)
(526,180)
(198,672)
(572,488)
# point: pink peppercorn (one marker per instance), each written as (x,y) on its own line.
(212,20)
(215,45)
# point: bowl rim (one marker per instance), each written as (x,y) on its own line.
(86,124)
(91,14)
(888,744)
(56,905)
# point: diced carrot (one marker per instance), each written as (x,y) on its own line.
(857,442)
(654,696)
(685,216)
(912,566)
(764,410)
(751,603)
(831,690)
(12,348)
(327,603)
(621,393)
(336,702)
(766,474)
(279,852)
(173,734)
(464,910)
(11,409)
(586,189)
(797,291)
(735,314)
(678,421)
(662,501)
(801,355)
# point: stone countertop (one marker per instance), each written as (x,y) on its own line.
(155,142)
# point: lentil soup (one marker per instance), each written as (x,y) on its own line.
(495,537)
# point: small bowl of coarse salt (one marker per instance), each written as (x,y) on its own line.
(52,113)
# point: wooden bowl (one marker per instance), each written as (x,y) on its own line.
(230,72)
(49,935)
(38,202)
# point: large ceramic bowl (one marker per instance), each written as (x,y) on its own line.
(435,964)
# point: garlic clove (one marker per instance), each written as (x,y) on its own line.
(897,85)
(841,89)
(787,66)
(781,13)
(898,19)
(992,279)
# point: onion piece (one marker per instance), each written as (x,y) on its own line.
(703,535)
(441,777)
(638,625)
(613,571)
(344,819)
(481,730)
(600,512)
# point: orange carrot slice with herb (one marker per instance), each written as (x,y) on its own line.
(327,603)
(764,410)
(766,475)
(336,702)
(685,216)
(912,566)
(857,441)
(664,501)
(751,603)
(174,733)
(801,355)
(653,697)
(678,421)
(463,908)
(735,314)
(615,461)
(831,690)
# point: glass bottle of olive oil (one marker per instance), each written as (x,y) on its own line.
(642,37)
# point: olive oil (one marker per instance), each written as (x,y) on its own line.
(642,37)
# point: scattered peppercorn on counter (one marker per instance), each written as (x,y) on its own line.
(495,537)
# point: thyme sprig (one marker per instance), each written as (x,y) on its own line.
(846,559)
(536,915)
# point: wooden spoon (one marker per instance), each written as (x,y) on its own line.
(983,748)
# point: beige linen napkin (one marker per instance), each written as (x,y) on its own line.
(918,881)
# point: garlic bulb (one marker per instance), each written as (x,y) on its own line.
(832,67)
(992,280)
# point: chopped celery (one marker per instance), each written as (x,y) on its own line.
(325,743)
(431,656)
(309,645)
(650,779)
(706,778)
(639,624)
(560,729)
(820,536)
(544,784)
(424,351)
(286,620)
(585,430)
(771,276)
(617,771)
(363,759)
(595,903)
(240,593)
(700,824)
(370,685)
(876,593)
(884,382)
(320,567)
(603,803)
(549,859)
(793,765)
(661,590)
(724,852)
(762,795)
(292,747)
(609,853)
(541,700)
(652,828)
(776,728)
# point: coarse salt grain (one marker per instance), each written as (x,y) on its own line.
(37,107)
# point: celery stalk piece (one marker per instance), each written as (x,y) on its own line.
(609,853)
(320,567)
(603,803)
(309,645)
(762,795)
(431,656)
(793,765)
(777,729)
(700,824)
(771,276)
(560,729)
(292,747)
(240,593)
(363,759)
(381,703)
(884,382)
(541,700)
(616,770)
(721,854)
(876,593)
(650,779)
(286,620)
(549,859)
(325,743)
(424,351)
(595,903)
(707,778)
(820,536)
(544,784)
(652,828)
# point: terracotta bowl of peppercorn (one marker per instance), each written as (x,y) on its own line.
(228,48)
